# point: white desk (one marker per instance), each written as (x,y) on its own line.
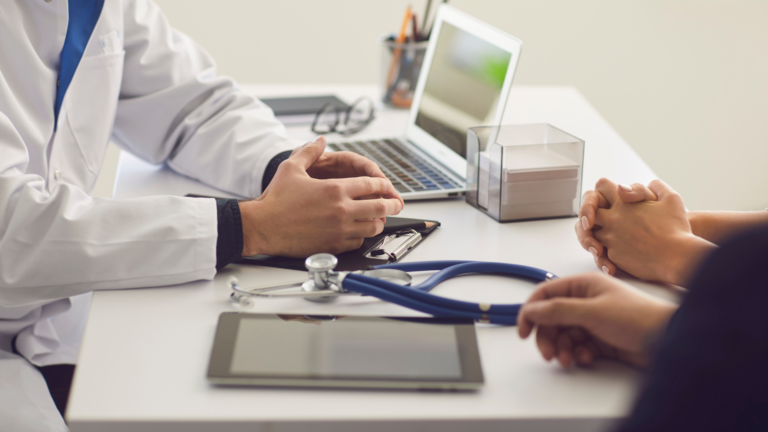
(145,354)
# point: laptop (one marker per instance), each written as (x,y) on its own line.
(464,82)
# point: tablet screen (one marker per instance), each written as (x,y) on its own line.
(305,349)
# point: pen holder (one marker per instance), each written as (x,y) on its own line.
(400,67)
(524,172)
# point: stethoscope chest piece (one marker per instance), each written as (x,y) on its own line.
(320,268)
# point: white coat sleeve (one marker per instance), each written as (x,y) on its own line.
(59,242)
(174,109)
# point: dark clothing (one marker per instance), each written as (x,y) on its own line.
(229,245)
(271,170)
(59,380)
(710,372)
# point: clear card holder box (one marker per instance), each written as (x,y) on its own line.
(524,172)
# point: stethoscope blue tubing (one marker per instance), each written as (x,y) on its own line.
(434,310)
(418,298)
(449,269)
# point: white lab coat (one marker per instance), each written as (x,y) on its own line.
(156,94)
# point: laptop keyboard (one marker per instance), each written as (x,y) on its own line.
(407,171)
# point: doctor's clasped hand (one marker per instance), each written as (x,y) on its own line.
(318,203)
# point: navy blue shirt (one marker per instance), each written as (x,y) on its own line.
(710,372)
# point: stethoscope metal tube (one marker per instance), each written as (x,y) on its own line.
(325,284)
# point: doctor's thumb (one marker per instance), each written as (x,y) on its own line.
(307,154)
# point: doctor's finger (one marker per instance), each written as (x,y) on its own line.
(357,187)
(344,246)
(590,202)
(366,228)
(374,208)
(607,189)
(307,154)
(357,165)
(635,193)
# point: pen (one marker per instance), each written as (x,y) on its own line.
(426,17)
(391,94)
(416,36)
(432,25)
(398,47)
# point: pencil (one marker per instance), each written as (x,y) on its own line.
(416,36)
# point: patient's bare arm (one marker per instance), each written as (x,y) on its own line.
(715,226)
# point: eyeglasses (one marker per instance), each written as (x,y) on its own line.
(331,118)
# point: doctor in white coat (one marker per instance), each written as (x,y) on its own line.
(75,73)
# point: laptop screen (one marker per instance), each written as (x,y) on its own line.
(463,87)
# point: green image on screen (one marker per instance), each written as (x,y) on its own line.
(463,87)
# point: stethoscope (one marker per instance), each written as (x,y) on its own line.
(325,284)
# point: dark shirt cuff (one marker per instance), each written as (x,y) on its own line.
(229,245)
(272,166)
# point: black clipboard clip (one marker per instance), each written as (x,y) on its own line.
(394,246)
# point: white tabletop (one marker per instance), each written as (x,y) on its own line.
(145,352)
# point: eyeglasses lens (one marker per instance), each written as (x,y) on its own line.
(360,113)
(327,120)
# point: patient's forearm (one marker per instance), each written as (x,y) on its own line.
(717,226)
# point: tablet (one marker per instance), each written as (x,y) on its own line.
(345,352)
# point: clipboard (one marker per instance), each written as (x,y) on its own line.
(399,237)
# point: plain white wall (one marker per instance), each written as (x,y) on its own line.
(685,82)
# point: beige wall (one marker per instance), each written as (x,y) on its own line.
(684,82)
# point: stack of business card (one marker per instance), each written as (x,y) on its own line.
(535,182)
(539,193)
(538,183)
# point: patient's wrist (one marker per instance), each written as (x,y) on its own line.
(694,219)
(701,223)
(690,251)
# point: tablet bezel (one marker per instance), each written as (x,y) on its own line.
(226,335)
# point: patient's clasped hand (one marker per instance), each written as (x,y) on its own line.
(644,231)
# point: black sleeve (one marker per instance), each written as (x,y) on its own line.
(710,372)
(229,245)
(269,172)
